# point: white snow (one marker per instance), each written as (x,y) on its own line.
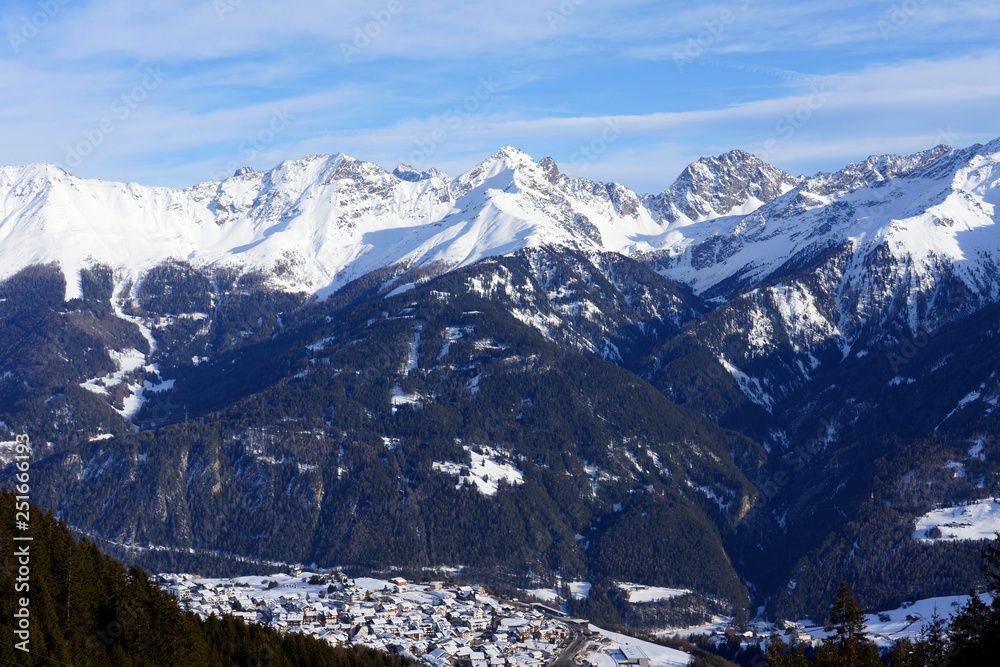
(399,397)
(321,343)
(968,398)
(548,595)
(640,593)
(659,656)
(899,626)
(579,590)
(957,466)
(451,335)
(412,350)
(750,386)
(485,471)
(7,452)
(129,361)
(327,220)
(976,521)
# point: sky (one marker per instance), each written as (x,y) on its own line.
(177,92)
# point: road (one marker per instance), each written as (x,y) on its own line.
(565,659)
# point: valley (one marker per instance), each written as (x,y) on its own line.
(743,390)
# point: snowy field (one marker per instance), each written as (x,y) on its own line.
(485,471)
(906,621)
(659,656)
(400,397)
(578,589)
(976,521)
(640,593)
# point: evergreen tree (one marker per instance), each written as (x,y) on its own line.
(932,647)
(849,645)
(904,654)
(780,654)
(975,633)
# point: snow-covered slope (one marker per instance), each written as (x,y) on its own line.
(315,224)
(893,235)
(922,226)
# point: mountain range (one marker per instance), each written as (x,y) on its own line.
(747,386)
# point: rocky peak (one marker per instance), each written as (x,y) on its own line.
(736,182)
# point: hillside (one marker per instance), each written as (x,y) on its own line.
(88,609)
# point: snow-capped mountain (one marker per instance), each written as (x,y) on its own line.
(912,237)
(733,183)
(920,228)
(317,223)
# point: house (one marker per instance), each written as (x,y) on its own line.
(398,582)
(477,624)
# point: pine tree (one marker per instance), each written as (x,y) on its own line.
(780,654)
(932,647)
(776,652)
(975,633)
(849,645)
(904,654)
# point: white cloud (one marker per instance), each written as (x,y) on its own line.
(560,82)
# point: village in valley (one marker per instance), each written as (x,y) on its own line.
(434,623)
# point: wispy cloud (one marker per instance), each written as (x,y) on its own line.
(560,71)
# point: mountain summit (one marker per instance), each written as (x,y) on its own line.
(727,222)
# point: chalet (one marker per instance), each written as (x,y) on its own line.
(399,583)
(477,624)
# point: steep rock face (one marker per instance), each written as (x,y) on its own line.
(890,238)
(732,183)
(315,224)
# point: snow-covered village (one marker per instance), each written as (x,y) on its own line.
(446,625)
(434,623)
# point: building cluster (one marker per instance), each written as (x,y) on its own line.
(432,623)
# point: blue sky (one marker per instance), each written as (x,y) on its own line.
(178,92)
